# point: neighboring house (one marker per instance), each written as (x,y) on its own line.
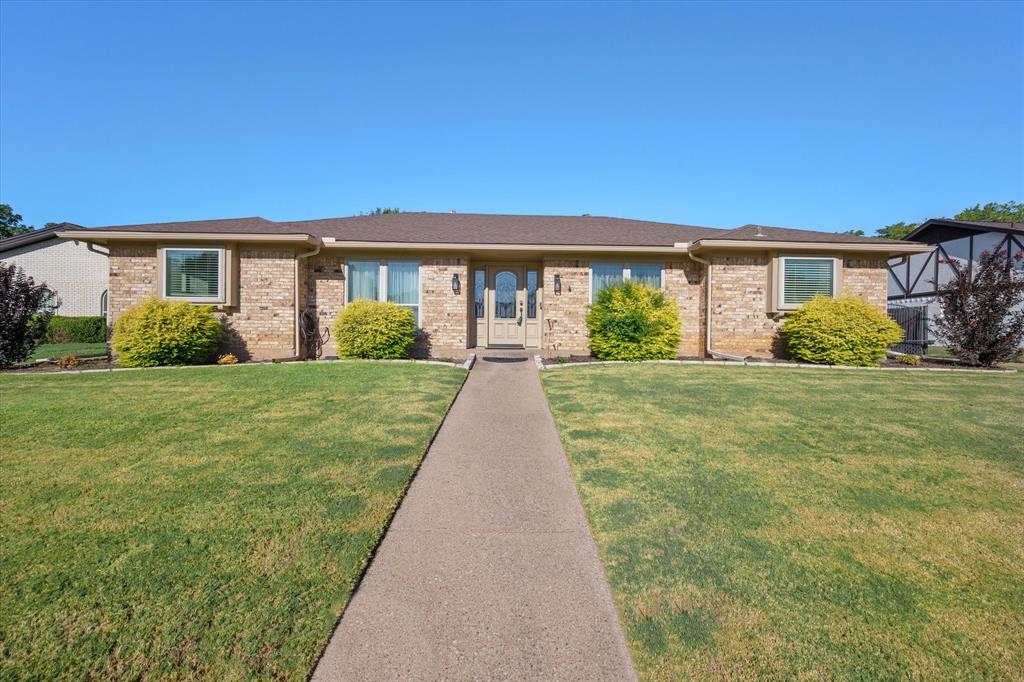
(955,244)
(77,273)
(487,280)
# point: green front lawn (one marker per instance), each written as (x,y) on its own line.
(188,523)
(54,351)
(805,524)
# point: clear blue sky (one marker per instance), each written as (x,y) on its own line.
(828,116)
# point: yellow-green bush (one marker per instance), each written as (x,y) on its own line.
(632,321)
(372,329)
(156,332)
(841,331)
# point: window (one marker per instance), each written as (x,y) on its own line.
(804,278)
(404,286)
(363,280)
(606,274)
(397,281)
(103,304)
(531,294)
(478,292)
(646,274)
(194,274)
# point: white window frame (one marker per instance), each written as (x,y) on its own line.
(382,282)
(419,285)
(626,273)
(781,298)
(219,298)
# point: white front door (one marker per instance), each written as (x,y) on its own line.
(506,324)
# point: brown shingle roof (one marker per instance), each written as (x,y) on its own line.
(253,225)
(478,228)
(786,234)
(482,228)
(34,236)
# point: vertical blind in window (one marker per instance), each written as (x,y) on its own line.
(804,278)
(192,273)
(603,275)
(404,285)
(646,274)
(363,276)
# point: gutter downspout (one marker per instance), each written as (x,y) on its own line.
(298,313)
(707,283)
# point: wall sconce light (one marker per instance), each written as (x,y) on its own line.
(558,284)
(455,283)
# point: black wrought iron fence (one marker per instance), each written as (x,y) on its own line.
(914,322)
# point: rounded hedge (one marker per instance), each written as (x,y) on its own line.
(372,329)
(840,331)
(632,321)
(156,332)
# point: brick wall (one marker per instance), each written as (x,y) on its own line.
(262,325)
(259,326)
(684,282)
(867,278)
(78,275)
(740,322)
(132,277)
(444,315)
(323,287)
(565,314)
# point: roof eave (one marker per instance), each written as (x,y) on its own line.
(890,248)
(105,236)
(332,243)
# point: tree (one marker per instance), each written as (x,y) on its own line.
(896,230)
(1009,212)
(25,310)
(853,233)
(982,317)
(10,223)
(383,211)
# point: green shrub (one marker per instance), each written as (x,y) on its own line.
(371,329)
(911,360)
(76,330)
(166,333)
(632,321)
(841,331)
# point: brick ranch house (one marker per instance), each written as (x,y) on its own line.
(487,280)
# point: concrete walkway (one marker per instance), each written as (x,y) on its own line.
(489,570)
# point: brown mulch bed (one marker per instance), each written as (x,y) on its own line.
(887,362)
(50,367)
(47,367)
